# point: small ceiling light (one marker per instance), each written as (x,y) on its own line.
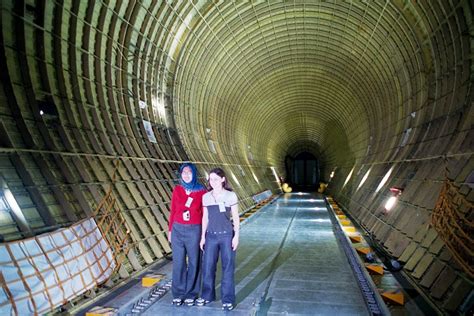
(47,107)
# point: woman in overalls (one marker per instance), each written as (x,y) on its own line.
(185,234)
(220,235)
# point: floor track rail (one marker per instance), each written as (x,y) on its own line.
(373,300)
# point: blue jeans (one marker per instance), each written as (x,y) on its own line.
(216,243)
(186,275)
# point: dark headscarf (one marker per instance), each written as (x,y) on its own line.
(194,185)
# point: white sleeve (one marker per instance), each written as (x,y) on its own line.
(205,200)
(233,200)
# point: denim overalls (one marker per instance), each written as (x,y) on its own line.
(219,236)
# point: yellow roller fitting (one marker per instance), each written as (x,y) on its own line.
(345,222)
(342,216)
(395,297)
(363,250)
(355,239)
(151,279)
(349,229)
(375,269)
(102,311)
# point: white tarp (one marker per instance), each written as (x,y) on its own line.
(41,273)
(262,196)
(149,131)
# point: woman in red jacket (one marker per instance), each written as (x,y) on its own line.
(185,234)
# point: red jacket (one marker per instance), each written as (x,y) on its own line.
(178,201)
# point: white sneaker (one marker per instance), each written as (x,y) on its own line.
(227,306)
(189,302)
(177,302)
(201,302)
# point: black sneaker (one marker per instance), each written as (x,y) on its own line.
(189,302)
(201,302)
(177,302)
(227,306)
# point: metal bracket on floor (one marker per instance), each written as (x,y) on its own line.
(154,295)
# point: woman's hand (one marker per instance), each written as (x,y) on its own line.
(235,243)
(201,244)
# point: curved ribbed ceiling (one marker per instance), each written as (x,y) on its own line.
(369,87)
(270,75)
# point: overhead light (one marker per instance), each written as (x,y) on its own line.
(235,178)
(390,203)
(364,178)
(9,202)
(348,177)
(384,179)
(275,174)
(396,192)
(255,177)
